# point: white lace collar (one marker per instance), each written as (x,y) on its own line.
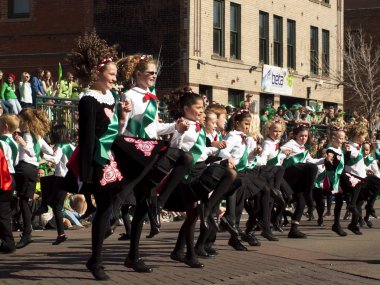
(140,90)
(102,99)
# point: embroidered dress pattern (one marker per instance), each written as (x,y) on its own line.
(111,173)
(145,147)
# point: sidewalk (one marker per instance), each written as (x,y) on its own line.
(321,258)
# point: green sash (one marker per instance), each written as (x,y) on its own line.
(13,146)
(275,160)
(355,160)
(333,176)
(368,160)
(253,165)
(220,135)
(138,128)
(197,149)
(297,158)
(36,148)
(377,153)
(103,144)
(66,149)
(200,144)
(243,160)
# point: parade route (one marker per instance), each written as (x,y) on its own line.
(321,258)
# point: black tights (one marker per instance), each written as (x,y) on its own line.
(186,234)
(126,221)
(221,189)
(26,215)
(137,225)
(301,178)
(258,209)
(180,169)
(57,205)
(100,224)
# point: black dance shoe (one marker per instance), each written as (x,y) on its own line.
(368,222)
(137,265)
(295,232)
(355,229)
(338,229)
(201,252)
(6,248)
(236,244)
(153,232)
(60,239)
(268,235)
(193,263)
(124,237)
(211,251)
(320,221)
(24,241)
(177,256)
(97,271)
(361,222)
(230,227)
(250,239)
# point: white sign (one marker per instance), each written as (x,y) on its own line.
(277,80)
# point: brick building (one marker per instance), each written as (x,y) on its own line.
(40,33)
(219,47)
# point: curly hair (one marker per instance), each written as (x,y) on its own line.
(277,120)
(88,54)
(129,65)
(35,122)
(356,130)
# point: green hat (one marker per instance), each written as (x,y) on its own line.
(283,107)
(295,107)
(341,113)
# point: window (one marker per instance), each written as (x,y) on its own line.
(235,35)
(206,90)
(277,41)
(235,97)
(291,42)
(18,8)
(264,37)
(314,50)
(325,52)
(218,46)
(326,1)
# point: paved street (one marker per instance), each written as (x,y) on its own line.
(320,259)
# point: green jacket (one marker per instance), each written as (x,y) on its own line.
(8,92)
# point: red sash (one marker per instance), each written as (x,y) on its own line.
(5,176)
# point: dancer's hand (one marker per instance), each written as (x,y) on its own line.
(126,105)
(219,144)
(182,126)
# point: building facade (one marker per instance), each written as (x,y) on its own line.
(303,37)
